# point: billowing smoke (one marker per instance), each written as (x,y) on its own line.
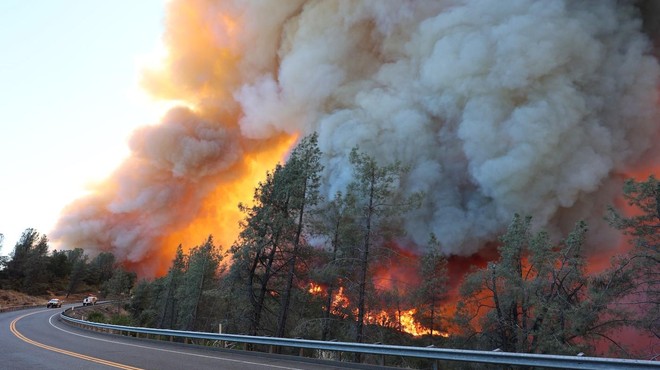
(536,107)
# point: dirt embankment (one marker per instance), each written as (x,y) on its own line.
(12,298)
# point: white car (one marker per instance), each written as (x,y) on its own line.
(54,303)
(91,300)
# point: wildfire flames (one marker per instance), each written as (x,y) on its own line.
(401,320)
(404,320)
(314,288)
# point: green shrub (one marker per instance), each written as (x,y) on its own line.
(118,319)
(96,317)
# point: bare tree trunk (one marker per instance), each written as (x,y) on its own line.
(432,319)
(169,302)
(264,288)
(363,268)
(498,309)
(195,310)
(286,297)
(326,315)
(250,291)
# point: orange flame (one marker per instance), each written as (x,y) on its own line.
(401,320)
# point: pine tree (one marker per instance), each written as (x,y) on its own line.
(119,285)
(642,262)
(168,299)
(78,261)
(378,206)
(335,223)
(59,266)
(28,267)
(302,181)
(433,287)
(198,278)
(258,252)
(142,304)
(537,297)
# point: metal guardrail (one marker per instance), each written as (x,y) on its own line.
(508,358)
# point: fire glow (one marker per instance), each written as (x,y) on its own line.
(402,320)
(480,113)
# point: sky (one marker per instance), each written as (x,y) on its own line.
(70,98)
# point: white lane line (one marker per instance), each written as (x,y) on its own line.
(50,320)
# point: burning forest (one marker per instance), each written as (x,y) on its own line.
(464,112)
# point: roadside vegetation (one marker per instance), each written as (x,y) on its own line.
(12,298)
(304,266)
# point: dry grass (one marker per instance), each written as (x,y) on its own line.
(10,298)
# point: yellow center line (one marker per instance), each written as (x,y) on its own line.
(22,337)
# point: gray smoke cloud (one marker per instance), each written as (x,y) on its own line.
(536,107)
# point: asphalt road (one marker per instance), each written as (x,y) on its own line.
(37,339)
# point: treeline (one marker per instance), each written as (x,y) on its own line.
(34,269)
(303,266)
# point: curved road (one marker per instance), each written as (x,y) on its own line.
(37,339)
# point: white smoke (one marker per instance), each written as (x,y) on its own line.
(522,106)
(519,106)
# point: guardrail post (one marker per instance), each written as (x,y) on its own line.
(381,358)
(435,362)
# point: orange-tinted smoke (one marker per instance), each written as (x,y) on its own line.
(201,65)
(186,175)
(219,214)
(483,139)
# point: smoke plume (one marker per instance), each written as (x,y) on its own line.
(536,107)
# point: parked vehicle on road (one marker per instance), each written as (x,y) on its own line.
(91,300)
(54,303)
